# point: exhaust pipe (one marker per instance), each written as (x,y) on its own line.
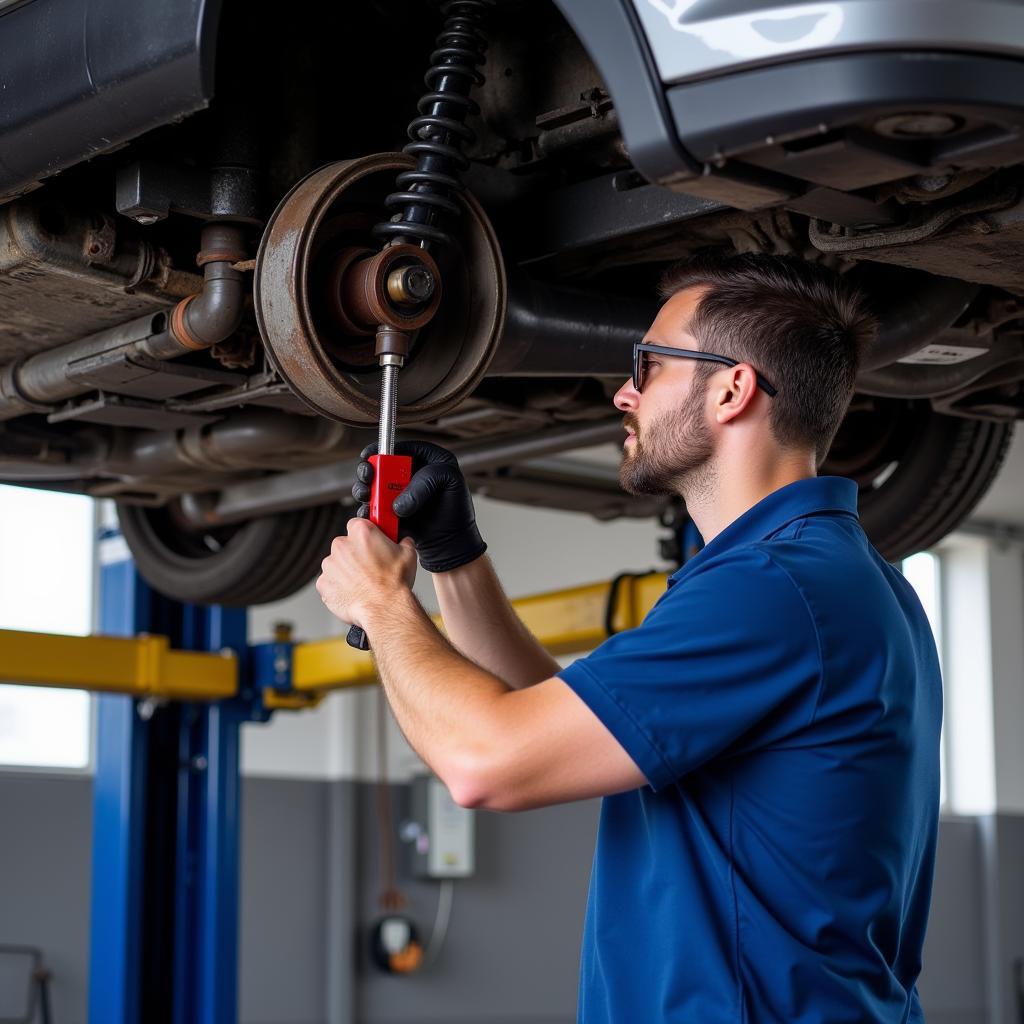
(285,491)
(197,322)
(917,308)
(556,331)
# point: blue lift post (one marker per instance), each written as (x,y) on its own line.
(165,875)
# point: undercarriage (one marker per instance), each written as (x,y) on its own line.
(179,328)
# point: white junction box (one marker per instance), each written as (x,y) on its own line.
(445,835)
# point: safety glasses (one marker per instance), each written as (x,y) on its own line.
(642,350)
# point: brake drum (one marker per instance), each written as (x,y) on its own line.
(310,340)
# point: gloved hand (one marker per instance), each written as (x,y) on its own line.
(435,510)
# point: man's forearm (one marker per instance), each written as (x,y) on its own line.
(447,707)
(482,624)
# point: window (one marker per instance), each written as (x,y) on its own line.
(46,585)
(922,573)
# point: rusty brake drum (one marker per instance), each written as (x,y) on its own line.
(309,241)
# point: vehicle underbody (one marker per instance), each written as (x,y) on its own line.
(222,400)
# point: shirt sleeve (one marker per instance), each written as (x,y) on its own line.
(727,661)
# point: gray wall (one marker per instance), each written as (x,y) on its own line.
(310,867)
(45,857)
(512,949)
(282,966)
(952,985)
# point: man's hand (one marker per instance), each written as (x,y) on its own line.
(364,570)
(493,746)
(435,509)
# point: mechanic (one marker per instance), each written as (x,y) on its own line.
(766,741)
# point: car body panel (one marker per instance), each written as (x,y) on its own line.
(611,33)
(723,117)
(694,39)
(82,77)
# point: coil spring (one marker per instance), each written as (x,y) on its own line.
(425,195)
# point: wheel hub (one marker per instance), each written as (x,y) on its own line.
(323,286)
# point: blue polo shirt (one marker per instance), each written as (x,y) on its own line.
(783,700)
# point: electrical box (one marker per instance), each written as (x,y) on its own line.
(444,832)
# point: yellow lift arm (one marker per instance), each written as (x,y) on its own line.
(564,621)
(143,666)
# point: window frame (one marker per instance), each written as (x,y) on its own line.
(13,769)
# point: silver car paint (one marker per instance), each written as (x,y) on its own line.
(692,39)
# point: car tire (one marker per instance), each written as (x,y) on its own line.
(926,478)
(253,562)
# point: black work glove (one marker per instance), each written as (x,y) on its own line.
(436,509)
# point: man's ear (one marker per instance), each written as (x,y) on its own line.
(737,393)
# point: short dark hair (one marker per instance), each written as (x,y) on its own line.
(800,325)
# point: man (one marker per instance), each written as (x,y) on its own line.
(766,741)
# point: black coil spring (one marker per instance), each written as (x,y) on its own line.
(425,195)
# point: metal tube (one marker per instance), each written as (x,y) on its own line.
(390,365)
(909,381)
(554,331)
(285,491)
(915,308)
(45,378)
(34,456)
(250,439)
(197,322)
(485,455)
(202,320)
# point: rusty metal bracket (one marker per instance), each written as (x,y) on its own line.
(149,192)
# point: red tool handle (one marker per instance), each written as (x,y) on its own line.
(391,475)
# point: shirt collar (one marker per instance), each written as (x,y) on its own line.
(776,510)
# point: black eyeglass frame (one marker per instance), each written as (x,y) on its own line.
(640,347)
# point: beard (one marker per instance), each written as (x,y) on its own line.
(674,455)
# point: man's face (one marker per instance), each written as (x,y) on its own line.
(670,443)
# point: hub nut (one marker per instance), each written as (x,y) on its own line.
(409,286)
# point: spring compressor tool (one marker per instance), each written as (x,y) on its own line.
(399,287)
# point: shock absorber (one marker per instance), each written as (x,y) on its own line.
(425,204)
(425,194)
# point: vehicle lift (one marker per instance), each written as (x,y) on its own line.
(176,682)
